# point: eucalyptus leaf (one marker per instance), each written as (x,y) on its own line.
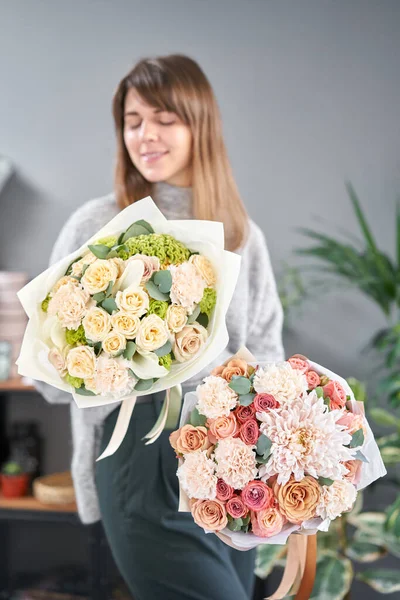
(360,456)
(264,445)
(325,481)
(163,280)
(97,348)
(82,391)
(99,297)
(145,224)
(166,349)
(246,399)
(129,350)
(99,250)
(192,318)
(112,254)
(109,305)
(261,460)
(85,268)
(196,419)
(144,384)
(319,391)
(357,439)
(241,385)
(234,525)
(155,292)
(109,288)
(203,319)
(133,231)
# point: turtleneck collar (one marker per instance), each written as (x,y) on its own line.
(173,201)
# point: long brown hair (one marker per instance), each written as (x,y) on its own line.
(177,84)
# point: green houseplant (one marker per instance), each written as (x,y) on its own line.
(14,481)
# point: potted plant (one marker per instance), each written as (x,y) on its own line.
(14,482)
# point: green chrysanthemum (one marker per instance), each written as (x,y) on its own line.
(45,303)
(158,307)
(110,241)
(76,336)
(165,247)
(76,382)
(165,361)
(208,301)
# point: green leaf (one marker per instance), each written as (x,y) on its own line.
(383,417)
(133,231)
(145,224)
(246,399)
(194,315)
(266,558)
(360,456)
(235,525)
(384,581)
(112,254)
(109,305)
(69,270)
(84,392)
(264,445)
(357,439)
(154,291)
(99,250)
(261,460)
(132,374)
(325,481)
(369,522)
(203,319)
(365,552)
(390,455)
(333,578)
(319,392)
(163,280)
(99,297)
(392,523)
(144,384)
(109,288)
(129,350)
(241,385)
(166,349)
(97,348)
(196,419)
(398,235)
(85,268)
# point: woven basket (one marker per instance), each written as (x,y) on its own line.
(54,489)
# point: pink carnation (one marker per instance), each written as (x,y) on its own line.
(236,508)
(249,432)
(336,393)
(257,495)
(224,491)
(264,402)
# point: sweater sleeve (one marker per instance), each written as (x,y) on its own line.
(264,337)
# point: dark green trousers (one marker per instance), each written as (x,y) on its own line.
(161,553)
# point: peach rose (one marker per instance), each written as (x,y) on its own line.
(189,439)
(267,522)
(354,471)
(353,422)
(224,491)
(236,366)
(313,380)
(209,514)
(300,364)
(298,500)
(222,427)
(336,393)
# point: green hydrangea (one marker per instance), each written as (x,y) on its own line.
(165,361)
(76,336)
(110,241)
(208,301)
(45,303)
(165,247)
(76,382)
(158,307)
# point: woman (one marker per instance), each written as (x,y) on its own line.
(170,146)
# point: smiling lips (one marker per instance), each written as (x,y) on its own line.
(152,157)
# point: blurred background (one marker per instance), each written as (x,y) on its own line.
(309,92)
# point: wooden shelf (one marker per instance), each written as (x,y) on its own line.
(30,503)
(15,385)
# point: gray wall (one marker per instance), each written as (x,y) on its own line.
(309,91)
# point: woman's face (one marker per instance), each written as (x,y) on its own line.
(158,143)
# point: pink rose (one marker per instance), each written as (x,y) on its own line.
(244,413)
(222,427)
(267,522)
(336,393)
(224,491)
(313,380)
(264,402)
(249,432)
(352,422)
(354,471)
(236,508)
(299,363)
(256,495)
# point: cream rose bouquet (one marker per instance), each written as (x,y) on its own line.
(134,311)
(267,451)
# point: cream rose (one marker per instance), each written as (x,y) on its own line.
(114,343)
(150,264)
(69,303)
(176,318)
(125,323)
(210,514)
(189,341)
(204,268)
(134,300)
(97,324)
(98,275)
(119,263)
(77,267)
(152,333)
(81,362)
(63,281)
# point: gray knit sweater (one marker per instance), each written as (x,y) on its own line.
(254,319)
